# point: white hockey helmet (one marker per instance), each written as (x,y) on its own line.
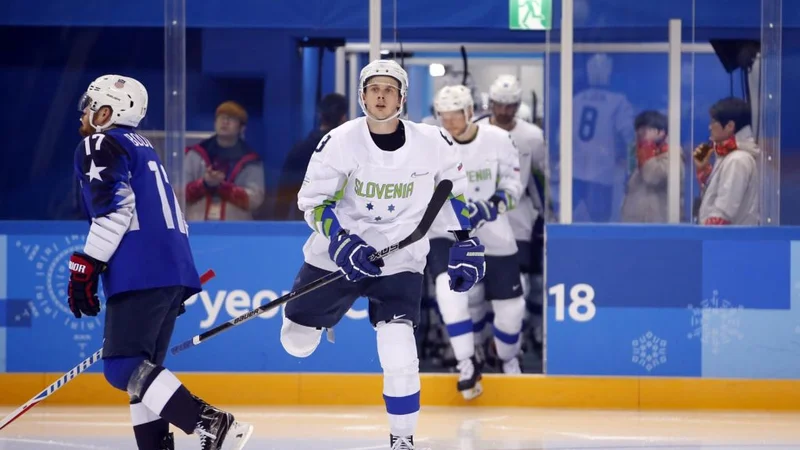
(126,97)
(386,68)
(505,90)
(453,98)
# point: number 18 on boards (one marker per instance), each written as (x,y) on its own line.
(581,302)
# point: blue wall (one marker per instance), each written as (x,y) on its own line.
(246,50)
(353,14)
(35,319)
(673,301)
(658,301)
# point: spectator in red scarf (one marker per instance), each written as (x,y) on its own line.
(729,186)
(225,177)
(646,196)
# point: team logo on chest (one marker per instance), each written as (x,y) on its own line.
(479,175)
(383,191)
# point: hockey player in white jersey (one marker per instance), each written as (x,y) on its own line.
(492,165)
(505,96)
(367,186)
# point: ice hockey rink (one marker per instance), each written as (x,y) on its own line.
(441,428)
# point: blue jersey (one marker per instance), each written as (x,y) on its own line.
(137,224)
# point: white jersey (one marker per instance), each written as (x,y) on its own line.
(380,195)
(602,124)
(492,164)
(529,139)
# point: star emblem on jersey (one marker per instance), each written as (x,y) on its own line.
(391,208)
(370,207)
(94,172)
(477,188)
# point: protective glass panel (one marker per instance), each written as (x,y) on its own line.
(767,108)
(617,138)
(735,95)
(253,118)
(51,56)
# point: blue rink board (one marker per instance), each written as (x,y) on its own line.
(673,301)
(254,263)
(667,301)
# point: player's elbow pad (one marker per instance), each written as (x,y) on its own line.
(106,232)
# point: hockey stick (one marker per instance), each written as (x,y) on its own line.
(69,376)
(440,196)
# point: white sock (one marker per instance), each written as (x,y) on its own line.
(481,312)
(397,351)
(454,307)
(508,315)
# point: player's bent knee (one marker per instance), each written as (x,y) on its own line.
(454,306)
(397,348)
(119,370)
(477,296)
(298,340)
(508,314)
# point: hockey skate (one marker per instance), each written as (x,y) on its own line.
(218,430)
(469,379)
(401,442)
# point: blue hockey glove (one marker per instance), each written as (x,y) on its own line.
(467,264)
(351,254)
(84,278)
(482,211)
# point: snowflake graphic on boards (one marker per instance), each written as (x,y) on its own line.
(649,351)
(716,321)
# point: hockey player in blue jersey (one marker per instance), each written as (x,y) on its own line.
(138,244)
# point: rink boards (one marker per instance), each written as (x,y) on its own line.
(642,317)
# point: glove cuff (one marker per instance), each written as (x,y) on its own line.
(461,235)
(501,201)
(471,242)
(96,264)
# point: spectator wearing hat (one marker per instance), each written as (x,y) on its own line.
(226,177)
(332,111)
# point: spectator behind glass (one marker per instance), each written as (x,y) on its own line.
(646,196)
(729,188)
(332,111)
(226,175)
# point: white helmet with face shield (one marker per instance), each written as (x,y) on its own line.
(125,96)
(386,68)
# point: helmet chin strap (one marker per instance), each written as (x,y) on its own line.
(375,119)
(467,131)
(98,128)
(468,128)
